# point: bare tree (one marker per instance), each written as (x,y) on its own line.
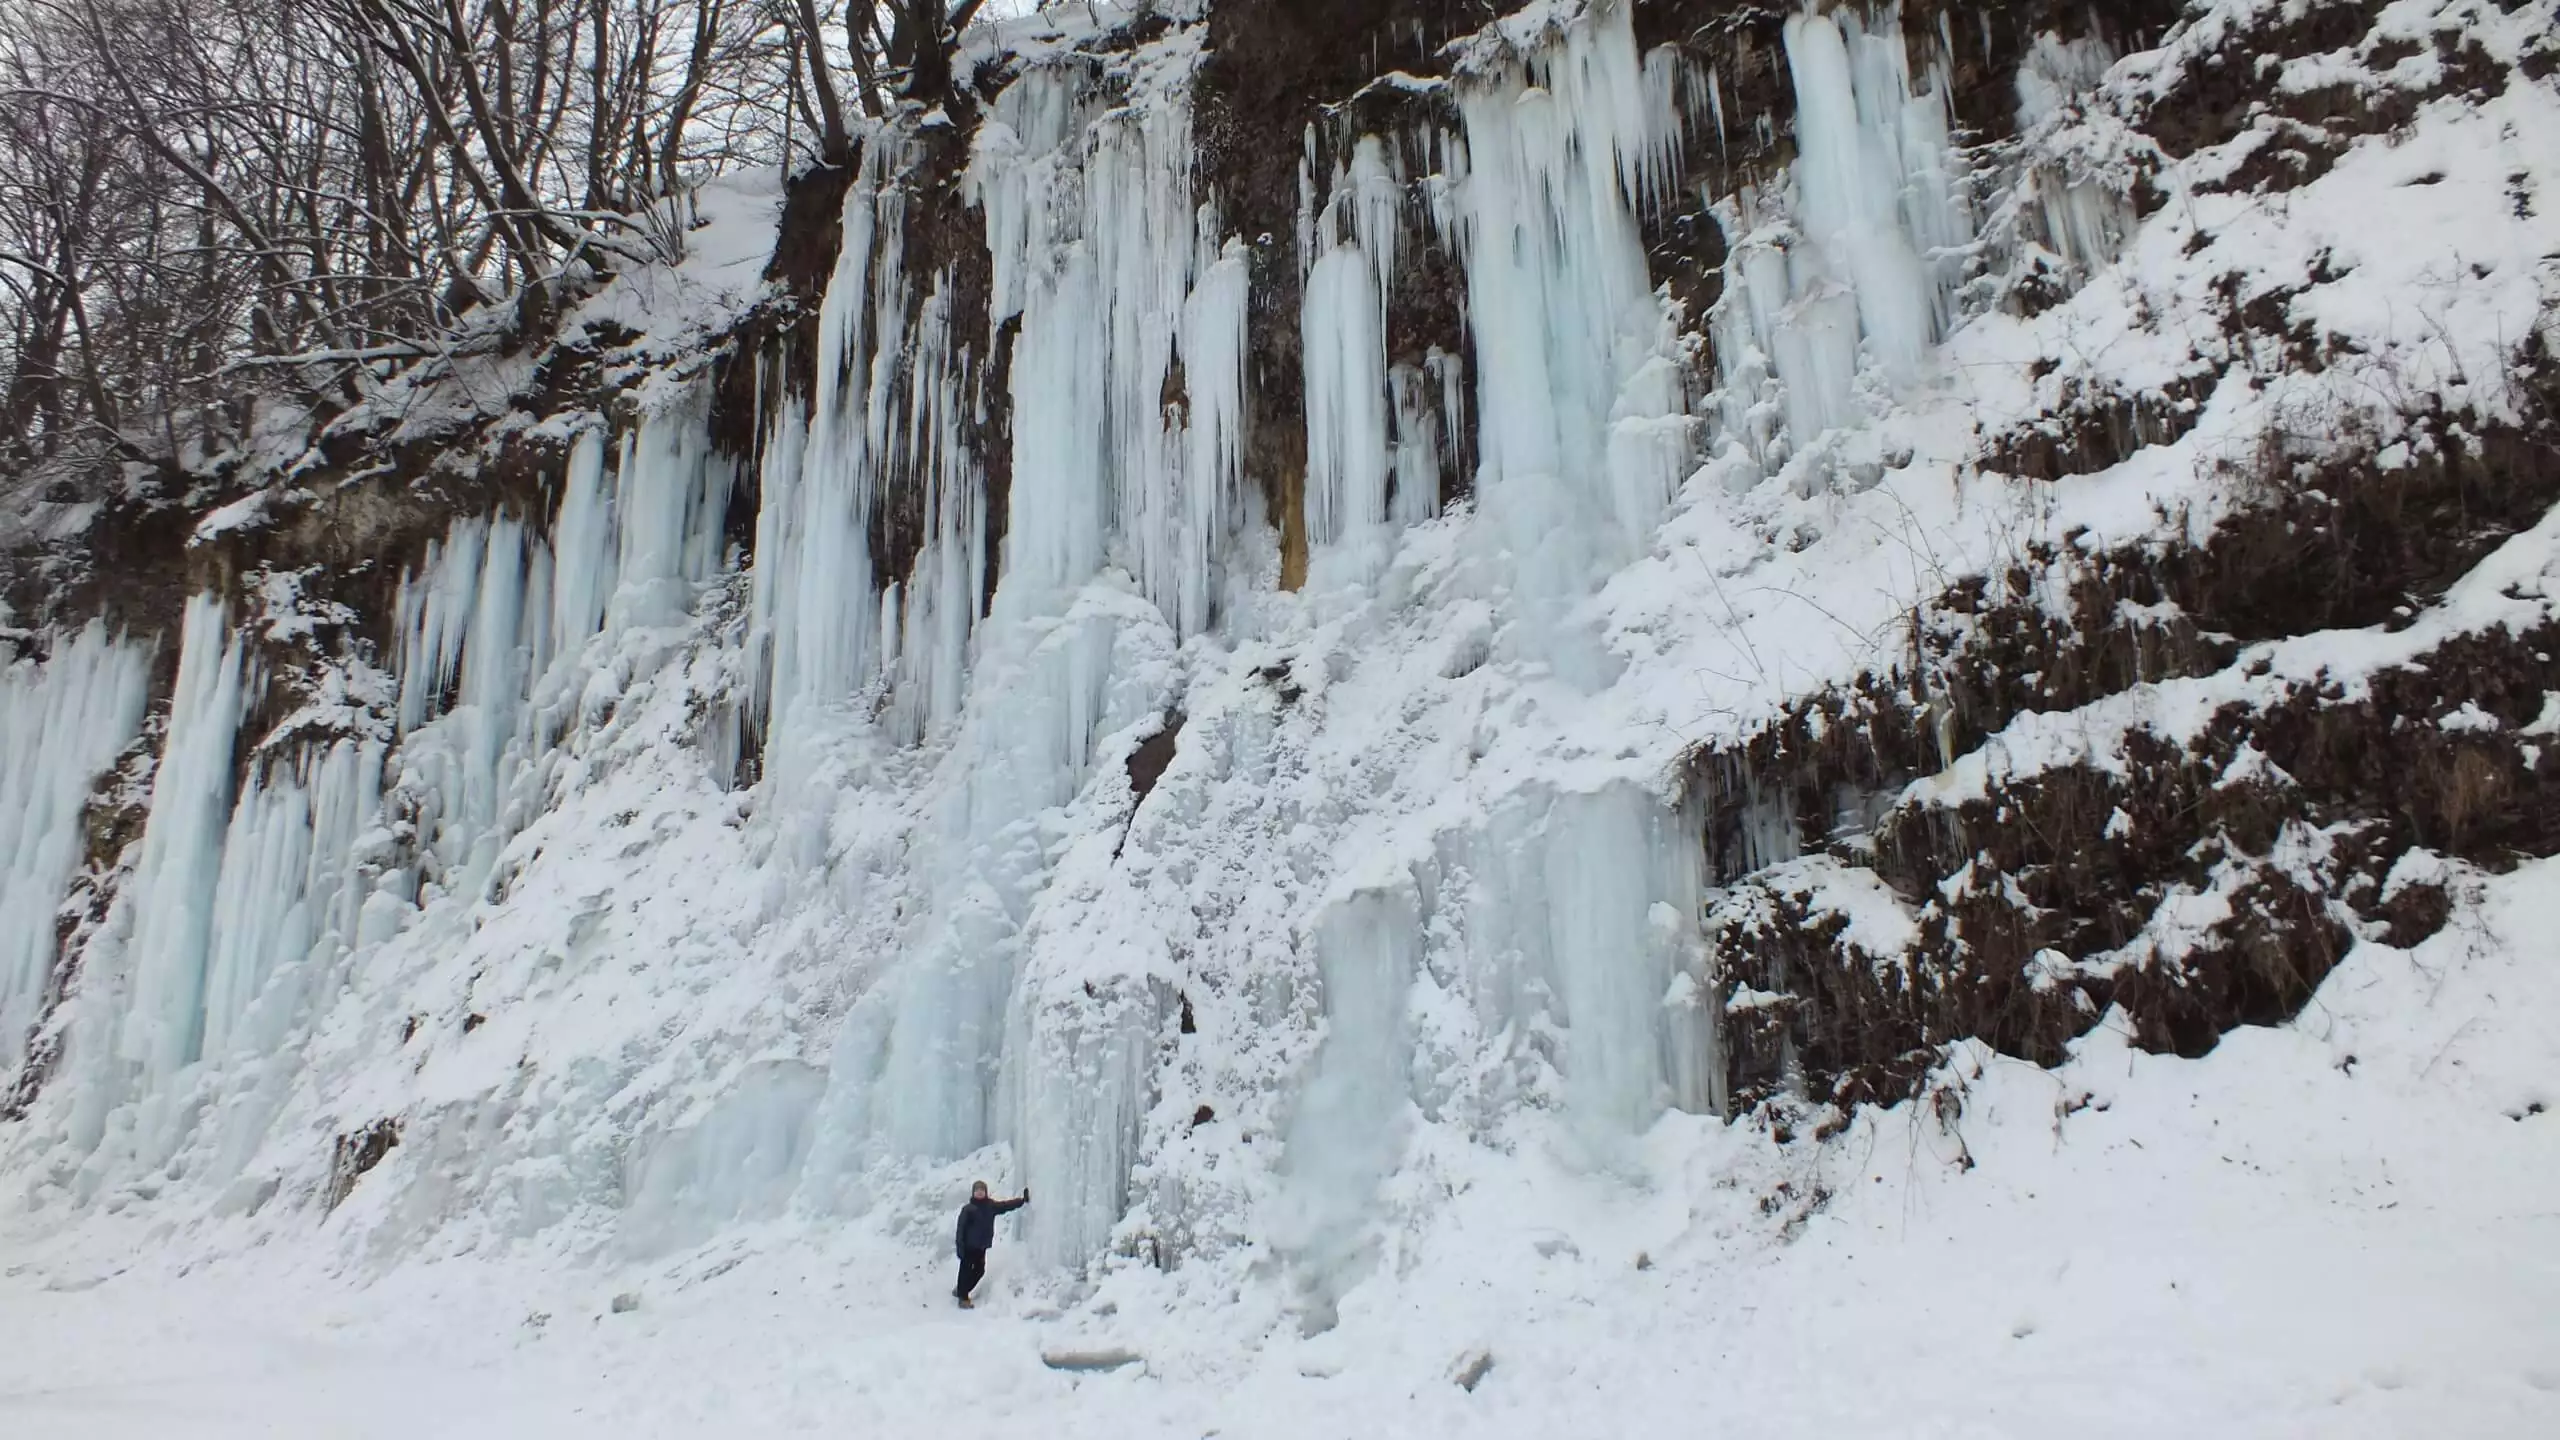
(202,200)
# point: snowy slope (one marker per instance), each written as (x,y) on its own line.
(692,907)
(2332,1229)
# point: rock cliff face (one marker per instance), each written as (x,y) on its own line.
(1271,587)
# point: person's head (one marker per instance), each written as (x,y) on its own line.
(978,1191)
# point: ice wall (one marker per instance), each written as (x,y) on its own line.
(261,875)
(192,1001)
(496,627)
(153,958)
(63,720)
(1415,870)
(1123,306)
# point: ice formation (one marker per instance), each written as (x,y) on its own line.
(978,936)
(1855,269)
(1583,433)
(63,720)
(259,877)
(2081,220)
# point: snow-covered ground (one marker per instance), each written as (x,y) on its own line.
(2348,1226)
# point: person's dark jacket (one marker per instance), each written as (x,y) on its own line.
(978,1221)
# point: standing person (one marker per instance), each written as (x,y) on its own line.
(978,1234)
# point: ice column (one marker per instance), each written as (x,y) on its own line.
(1873,189)
(1118,277)
(139,1017)
(1078,1071)
(1622,901)
(931,614)
(817,602)
(63,720)
(1428,403)
(293,883)
(467,666)
(1580,407)
(1364,423)
(671,499)
(1213,350)
(1343,344)
(1149,243)
(1055,533)
(583,548)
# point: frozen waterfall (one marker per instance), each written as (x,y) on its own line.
(1353,906)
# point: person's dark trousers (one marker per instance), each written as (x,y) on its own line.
(973,1268)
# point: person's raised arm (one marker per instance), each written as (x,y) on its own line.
(1016,1203)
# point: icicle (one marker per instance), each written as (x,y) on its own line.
(1054,534)
(1213,354)
(1419,435)
(258,914)
(2081,221)
(1866,274)
(434,611)
(63,720)
(1715,102)
(287,909)
(929,634)
(583,547)
(1658,162)
(820,615)
(1146,236)
(1849,185)
(1376,193)
(1307,208)
(671,499)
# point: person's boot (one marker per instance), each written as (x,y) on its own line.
(967,1304)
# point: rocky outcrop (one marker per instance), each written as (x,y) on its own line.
(2159,782)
